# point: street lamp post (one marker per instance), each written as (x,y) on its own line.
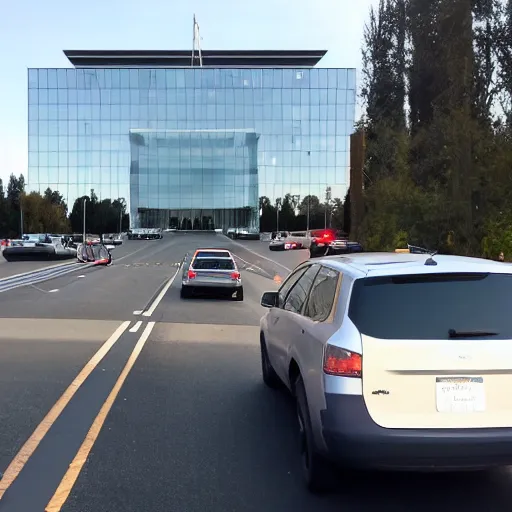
(295,202)
(278,205)
(85,200)
(327,203)
(307,216)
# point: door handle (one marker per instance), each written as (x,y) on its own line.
(303,331)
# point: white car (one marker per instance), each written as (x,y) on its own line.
(397,361)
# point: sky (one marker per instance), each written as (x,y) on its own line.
(34,33)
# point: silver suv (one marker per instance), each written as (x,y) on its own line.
(397,361)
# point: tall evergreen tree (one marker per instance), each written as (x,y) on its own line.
(384,90)
(4,212)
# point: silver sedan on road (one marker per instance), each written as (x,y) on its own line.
(211,270)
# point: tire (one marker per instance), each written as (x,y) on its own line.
(317,473)
(185,293)
(239,294)
(270,377)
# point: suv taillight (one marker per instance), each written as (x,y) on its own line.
(341,362)
(235,275)
(191,274)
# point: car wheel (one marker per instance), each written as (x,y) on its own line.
(185,293)
(239,294)
(315,469)
(270,377)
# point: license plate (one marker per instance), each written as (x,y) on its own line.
(460,394)
(212,275)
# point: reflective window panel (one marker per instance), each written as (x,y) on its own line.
(192,146)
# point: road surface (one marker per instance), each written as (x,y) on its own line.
(174,416)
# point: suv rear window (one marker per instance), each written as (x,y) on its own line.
(427,306)
(213,264)
(213,254)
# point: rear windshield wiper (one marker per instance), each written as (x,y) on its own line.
(452,333)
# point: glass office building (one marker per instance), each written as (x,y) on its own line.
(187,146)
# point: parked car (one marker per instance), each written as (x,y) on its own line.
(328,242)
(284,241)
(395,360)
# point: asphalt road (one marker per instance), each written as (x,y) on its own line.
(192,427)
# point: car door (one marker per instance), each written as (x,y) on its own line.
(275,314)
(316,328)
(288,327)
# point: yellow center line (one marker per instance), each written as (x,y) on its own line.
(26,451)
(69,479)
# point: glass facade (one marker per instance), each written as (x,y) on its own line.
(190,146)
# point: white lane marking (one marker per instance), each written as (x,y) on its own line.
(36,279)
(137,312)
(79,277)
(38,270)
(251,265)
(258,254)
(53,291)
(136,327)
(151,310)
(151,254)
(131,254)
(37,288)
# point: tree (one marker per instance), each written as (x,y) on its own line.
(316,210)
(40,215)
(504,59)
(15,189)
(56,198)
(119,205)
(4,212)
(267,214)
(443,181)
(337,214)
(383,91)
(77,214)
(384,64)
(103,216)
(287,214)
(346,212)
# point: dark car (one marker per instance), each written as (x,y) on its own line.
(327,242)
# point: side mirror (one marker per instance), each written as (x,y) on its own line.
(269,299)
